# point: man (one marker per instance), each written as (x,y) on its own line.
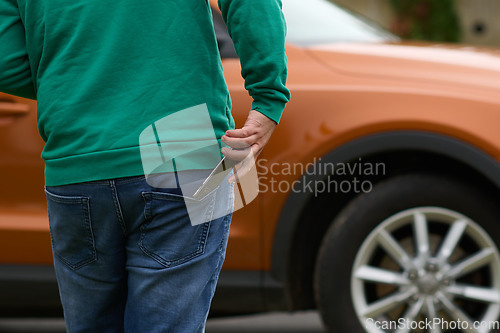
(126,256)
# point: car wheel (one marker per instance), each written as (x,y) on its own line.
(419,253)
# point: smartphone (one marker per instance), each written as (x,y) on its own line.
(215,177)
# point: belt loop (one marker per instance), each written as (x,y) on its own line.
(175,174)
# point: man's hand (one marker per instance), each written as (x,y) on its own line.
(247,142)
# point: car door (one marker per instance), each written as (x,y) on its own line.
(24,236)
(244,248)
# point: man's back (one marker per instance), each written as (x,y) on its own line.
(102,71)
(107,69)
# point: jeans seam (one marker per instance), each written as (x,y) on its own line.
(211,208)
(204,237)
(118,209)
(227,223)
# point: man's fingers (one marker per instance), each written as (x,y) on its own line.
(236,154)
(241,132)
(239,143)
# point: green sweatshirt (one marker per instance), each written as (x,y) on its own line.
(104,71)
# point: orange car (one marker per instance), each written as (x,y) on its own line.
(378,188)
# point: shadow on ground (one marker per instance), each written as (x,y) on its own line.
(301,322)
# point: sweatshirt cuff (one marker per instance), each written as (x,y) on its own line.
(273,109)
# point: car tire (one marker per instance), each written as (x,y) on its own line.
(425,245)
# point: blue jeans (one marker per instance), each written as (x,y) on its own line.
(127,258)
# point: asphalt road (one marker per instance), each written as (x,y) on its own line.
(301,322)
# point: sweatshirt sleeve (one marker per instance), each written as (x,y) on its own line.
(258,30)
(15,73)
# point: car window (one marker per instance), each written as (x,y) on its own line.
(224,41)
(322,22)
(311,22)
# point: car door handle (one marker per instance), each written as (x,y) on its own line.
(10,111)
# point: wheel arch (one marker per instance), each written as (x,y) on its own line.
(294,230)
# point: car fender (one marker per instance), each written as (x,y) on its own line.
(429,142)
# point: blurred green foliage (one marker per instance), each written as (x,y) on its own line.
(431,20)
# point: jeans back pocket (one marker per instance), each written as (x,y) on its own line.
(168,235)
(71,230)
